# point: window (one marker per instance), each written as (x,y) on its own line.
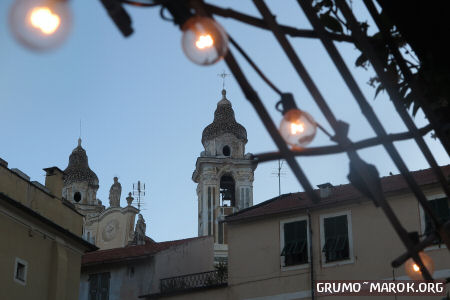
(77,197)
(294,242)
(20,271)
(440,207)
(336,238)
(226,150)
(99,286)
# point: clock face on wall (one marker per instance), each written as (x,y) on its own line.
(110,230)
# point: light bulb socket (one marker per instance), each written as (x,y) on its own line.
(414,237)
(119,16)
(180,12)
(286,103)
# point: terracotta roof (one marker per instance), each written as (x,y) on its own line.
(130,252)
(339,195)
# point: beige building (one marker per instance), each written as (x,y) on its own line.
(41,245)
(128,272)
(278,248)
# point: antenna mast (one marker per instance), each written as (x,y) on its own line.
(139,192)
(279,173)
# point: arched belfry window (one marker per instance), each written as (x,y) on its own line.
(227,191)
(77,197)
(226,151)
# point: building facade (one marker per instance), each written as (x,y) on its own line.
(107,228)
(280,247)
(224,174)
(135,270)
(42,245)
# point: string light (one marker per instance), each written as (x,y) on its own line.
(40,25)
(204,41)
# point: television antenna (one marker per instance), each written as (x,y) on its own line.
(279,172)
(139,193)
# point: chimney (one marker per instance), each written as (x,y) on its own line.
(325,189)
(54,180)
(3,163)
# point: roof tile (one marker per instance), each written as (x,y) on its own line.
(339,194)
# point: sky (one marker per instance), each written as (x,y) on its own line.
(143,106)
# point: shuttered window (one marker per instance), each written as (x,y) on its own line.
(295,250)
(441,209)
(99,286)
(336,245)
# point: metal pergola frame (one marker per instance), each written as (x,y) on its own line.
(362,175)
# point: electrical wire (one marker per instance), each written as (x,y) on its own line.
(254,66)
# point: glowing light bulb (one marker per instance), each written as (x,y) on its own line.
(40,24)
(204,41)
(298,128)
(45,20)
(413,270)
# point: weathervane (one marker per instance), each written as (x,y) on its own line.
(223,75)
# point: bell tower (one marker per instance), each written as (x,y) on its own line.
(81,183)
(224,174)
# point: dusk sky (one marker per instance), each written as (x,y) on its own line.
(143,106)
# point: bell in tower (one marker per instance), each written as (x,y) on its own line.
(227,191)
(224,174)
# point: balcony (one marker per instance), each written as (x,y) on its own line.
(211,279)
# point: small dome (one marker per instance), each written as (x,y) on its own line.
(224,122)
(78,169)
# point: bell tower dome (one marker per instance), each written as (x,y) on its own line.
(224,174)
(81,183)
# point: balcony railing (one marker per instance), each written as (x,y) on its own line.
(194,281)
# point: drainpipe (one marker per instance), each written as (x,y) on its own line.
(311,263)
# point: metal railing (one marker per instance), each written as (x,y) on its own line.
(193,281)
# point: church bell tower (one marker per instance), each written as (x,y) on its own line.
(224,174)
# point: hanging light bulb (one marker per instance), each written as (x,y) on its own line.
(413,270)
(297,127)
(204,41)
(40,24)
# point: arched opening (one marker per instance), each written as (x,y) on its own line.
(227,191)
(226,150)
(77,197)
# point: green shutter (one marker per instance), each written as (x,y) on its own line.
(295,249)
(440,208)
(104,286)
(336,245)
(99,286)
(93,286)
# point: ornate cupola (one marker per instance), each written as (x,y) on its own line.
(224,174)
(80,182)
(224,136)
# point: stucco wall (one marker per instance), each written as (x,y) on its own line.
(44,203)
(53,263)
(254,250)
(190,257)
(255,271)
